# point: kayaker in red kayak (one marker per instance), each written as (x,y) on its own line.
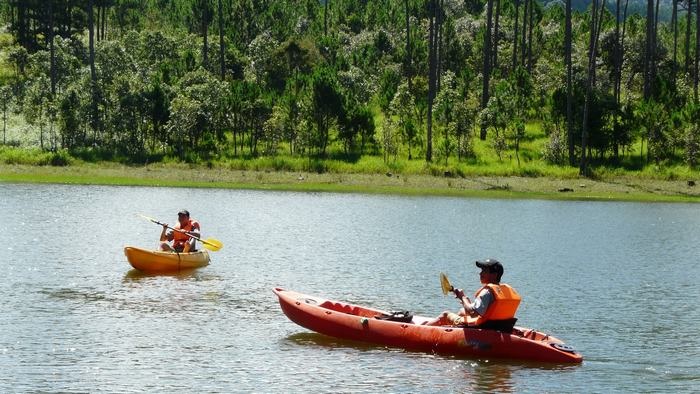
(493,303)
(181,242)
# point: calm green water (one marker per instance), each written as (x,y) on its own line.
(618,281)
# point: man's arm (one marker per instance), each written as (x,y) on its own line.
(164,235)
(480,304)
(196,230)
(467,305)
(482,301)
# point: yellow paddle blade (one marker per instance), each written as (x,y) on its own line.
(212,244)
(445,284)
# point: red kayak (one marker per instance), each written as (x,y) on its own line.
(347,321)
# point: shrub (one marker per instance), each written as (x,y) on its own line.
(60,158)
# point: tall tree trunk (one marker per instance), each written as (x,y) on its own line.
(616,81)
(96,19)
(523,44)
(487,63)
(529,34)
(687,36)
(22,24)
(616,54)
(622,50)
(205,34)
(438,44)
(12,15)
(325,17)
(432,67)
(222,52)
(654,45)
(595,31)
(697,47)
(516,37)
(409,66)
(104,22)
(93,73)
(5,98)
(569,87)
(583,166)
(674,26)
(69,21)
(100,23)
(52,54)
(619,60)
(494,62)
(648,53)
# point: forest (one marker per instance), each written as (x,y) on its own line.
(603,83)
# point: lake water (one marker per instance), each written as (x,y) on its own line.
(618,281)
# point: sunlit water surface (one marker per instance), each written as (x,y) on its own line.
(618,281)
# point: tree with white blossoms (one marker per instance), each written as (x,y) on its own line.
(402,109)
(692,133)
(390,146)
(196,111)
(465,112)
(507,111)
(275,128)
(5,104)
(445,103)
(37,102)
(259,53)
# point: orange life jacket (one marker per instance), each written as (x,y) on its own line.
(179,239)
(503,306)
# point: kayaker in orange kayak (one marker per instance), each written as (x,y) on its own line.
(181,242)
(493,303)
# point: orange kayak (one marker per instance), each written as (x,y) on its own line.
(353,322)
(160,261)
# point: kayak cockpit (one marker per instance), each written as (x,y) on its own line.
(404,316)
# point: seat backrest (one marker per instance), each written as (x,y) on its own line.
(505,325)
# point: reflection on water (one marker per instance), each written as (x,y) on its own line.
(617,281)
(306,339)
(478,375)
(75,295)
(490,377)
(136,275)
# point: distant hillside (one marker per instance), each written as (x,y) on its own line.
(634,7)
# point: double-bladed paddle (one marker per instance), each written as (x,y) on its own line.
(210,243)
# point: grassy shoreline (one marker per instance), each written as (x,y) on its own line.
(622,188)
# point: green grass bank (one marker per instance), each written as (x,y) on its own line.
(609,188)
